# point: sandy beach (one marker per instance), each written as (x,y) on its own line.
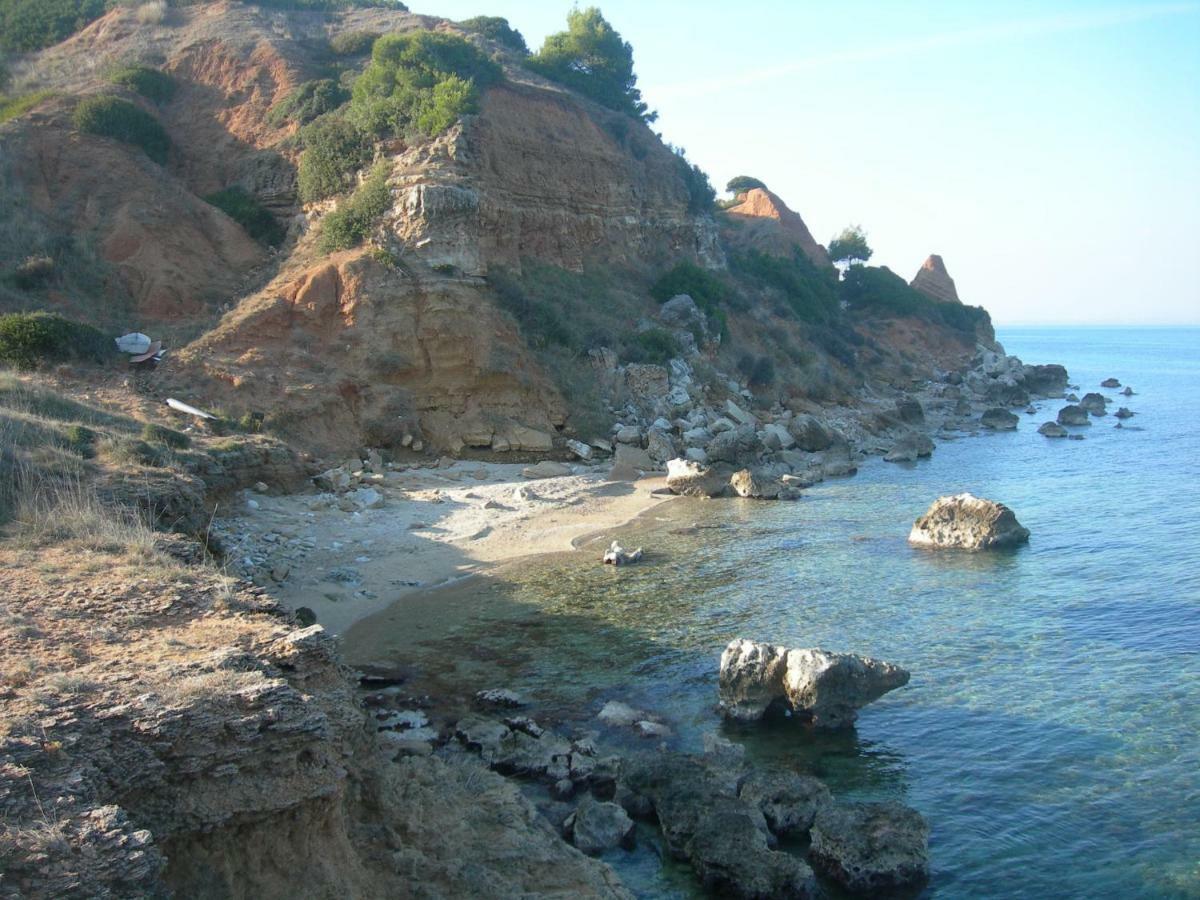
(431,526)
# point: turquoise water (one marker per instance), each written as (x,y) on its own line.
(1051,730)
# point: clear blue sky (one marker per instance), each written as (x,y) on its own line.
(1050,151)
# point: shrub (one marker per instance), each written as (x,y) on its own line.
(809,292)
(245,209)
(742,183)
(34,272)
(701,196)
(161,434)
(351,223)
(688,278)
(113,117)
(540,322)
(353,43)
(152,84)
(153,12)
(81,439)
(127,451)
(32,24)
(880,289)
(27,339)
(334,149)
(328,5)
(759,371)
(420,81)
(308,101)
(497,29)
(654,345)
(12,107)
(590,57)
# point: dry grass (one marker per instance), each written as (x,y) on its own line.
(152,13)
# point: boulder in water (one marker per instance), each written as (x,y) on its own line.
(1124,413)
(1110,383)
(616,555)
(692,479)
(1073,415)
(789,801)
(967,522)
(746,483)
(597,826)
(1052,429)
(1094,403)
(999,419)
(909,447)
(824,688)
(1128,392)
(871,848)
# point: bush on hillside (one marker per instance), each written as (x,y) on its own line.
(30,339)
(27,25)
(113,117)
(420,81)
(161,434)
(590,57)
(742,183)
(353,43)
(688,278)
(654,345)
(497,29)
(309,101)
(34,272)
(152,84)
(334,150)
(351,223)
(881,290)
(759,371)
(701,196)
(244,208)
(810,293)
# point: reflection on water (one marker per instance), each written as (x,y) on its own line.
(1050,728)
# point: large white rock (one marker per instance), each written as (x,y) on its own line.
(693,479)
(825,688)
(967,522)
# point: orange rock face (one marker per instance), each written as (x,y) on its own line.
(934,281)
(769,225)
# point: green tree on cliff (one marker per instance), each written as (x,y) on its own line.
(850,247)
(742,183)
(590,57)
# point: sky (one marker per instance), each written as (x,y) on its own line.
(1049,151)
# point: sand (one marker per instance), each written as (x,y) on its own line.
(435,525)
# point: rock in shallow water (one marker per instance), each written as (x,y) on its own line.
(999,420)
(789,801)
(967,522)
(871,848)
(692,479)
(598,826)
(825,688)
(1052,429)
(1073,415)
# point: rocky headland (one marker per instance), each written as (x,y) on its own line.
(545,329)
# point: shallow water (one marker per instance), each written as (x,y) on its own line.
(1051,730)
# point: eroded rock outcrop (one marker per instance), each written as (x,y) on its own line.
(967,522)
(934,281)
(770,225)
(824,688)
(693,479)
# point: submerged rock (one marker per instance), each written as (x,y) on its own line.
(1073,415)
(1052,429)
(692,479)
(967,522)
(871,848)
(824,688)
(999,419)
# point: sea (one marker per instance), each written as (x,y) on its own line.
(1051,729)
